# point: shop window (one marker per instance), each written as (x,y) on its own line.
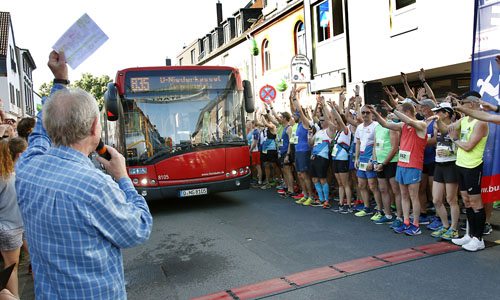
(300,38)
(266,56)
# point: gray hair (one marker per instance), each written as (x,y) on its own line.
(68,116)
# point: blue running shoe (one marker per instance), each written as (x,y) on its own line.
(435,225)
(384,220)
(413,230)
(401,228)
(424,220)
(396,223)
(359,207)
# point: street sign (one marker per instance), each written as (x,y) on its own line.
(267,93)
(300,69)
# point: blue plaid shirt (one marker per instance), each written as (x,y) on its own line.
(76,220)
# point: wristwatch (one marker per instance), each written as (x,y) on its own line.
(455,139)
(61,81)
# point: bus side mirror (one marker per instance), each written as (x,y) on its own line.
(248,95)
(111,102)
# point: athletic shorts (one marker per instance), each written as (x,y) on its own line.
(292,153)
(302,161)
(319,166)
(11,239)
(340,166)
(255,158)
(428,169)
(408,175)
(282,159)
(445,172)
(366,174)
(389,171)
(270,156)
(470,179)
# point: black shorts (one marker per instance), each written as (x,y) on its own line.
(389,171)
(270,156)
(445,172)
(318,166)
(282,159)
(340,166)
(428,169)
(469,180)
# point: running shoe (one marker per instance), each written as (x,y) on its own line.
(402,228)
(396,223)
(266,186)
(281,187)
(296,189)
(424,220)
(474,245)
(439,233)
(436,224)
(299,196)
(326,205)
(365,212)
(286,195)
(317,203)
(308,202)
(273,183)
(337,208)
(377,216)
(301,200)
(281,191)
(346,209)
(384,220)
(450,234)
(462,241)
(358,207)
(487,228)
(413,230)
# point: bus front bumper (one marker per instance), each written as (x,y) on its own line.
(179,191)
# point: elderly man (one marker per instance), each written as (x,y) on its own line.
(76,217)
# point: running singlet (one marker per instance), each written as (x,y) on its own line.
(284,140)
(255,137)
(446,150)
(365,135)
(270,141)
(430,151)
(411,148)
(294,139)
(321,144)
(343,143)
(302,144)
(383,144)
(474,157)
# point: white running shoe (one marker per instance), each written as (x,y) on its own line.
(474,245)
(462,241)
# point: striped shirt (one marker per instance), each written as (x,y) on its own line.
(76,220)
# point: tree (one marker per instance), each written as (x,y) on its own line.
(96,86)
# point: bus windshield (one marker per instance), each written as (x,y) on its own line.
(157,126)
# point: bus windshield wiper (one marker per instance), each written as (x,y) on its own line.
(161,153)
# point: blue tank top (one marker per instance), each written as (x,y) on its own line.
(430,151)
(303,144)
(285,140)
(270,142)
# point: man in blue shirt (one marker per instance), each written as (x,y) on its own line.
(76,217)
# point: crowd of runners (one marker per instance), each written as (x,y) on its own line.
(393,161)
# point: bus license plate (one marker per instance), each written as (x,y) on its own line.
(194,192)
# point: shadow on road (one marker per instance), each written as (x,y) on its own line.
(177,205)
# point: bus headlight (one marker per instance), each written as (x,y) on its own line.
(227,174)
(241,171)
(234,172)
(135,181)
(152,182)
(144,181)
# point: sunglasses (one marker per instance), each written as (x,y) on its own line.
(366,112)
(322,120)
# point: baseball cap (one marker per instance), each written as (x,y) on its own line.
(471,95)
(444,106)
(428,102)
(408,100)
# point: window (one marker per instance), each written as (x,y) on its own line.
(214,41)
(239,26)
(13,65)
(18,98)
(227,34)
(323,21)
(266,56)
(12,99)
(300,38)
(404,3)
(338,18)
(193,56)
(206,47)
(180,61)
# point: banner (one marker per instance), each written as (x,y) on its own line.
(485,79)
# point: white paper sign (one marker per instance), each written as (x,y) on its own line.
(81,40)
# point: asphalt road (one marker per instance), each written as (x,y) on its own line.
(210,244)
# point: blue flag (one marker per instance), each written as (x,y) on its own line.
(485,80)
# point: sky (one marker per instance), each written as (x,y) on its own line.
(141,33)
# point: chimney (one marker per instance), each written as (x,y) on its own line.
(168,62)
(219,13)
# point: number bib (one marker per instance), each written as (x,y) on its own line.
(463,135)
(335,150)
(362,166)
(404,156)
(443,151)
(379,145)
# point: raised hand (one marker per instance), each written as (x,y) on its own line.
(356,90)
(487,106)
(421,75)
(386,106)
(404,78)
(394,92)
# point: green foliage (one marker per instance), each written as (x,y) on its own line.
(96,86)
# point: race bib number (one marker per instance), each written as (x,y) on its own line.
(362,166)
(443,151)
(379,146)
(317,141)
(404,156)
(463,135)
(335,150)
(294,139)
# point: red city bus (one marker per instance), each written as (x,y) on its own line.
(181,129)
